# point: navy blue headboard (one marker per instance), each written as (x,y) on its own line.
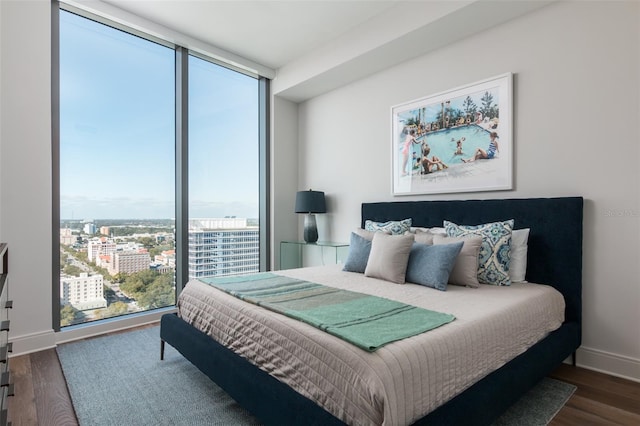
(554,255)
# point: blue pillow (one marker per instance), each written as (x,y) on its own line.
(358,257)
(431,265)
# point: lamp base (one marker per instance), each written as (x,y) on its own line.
(310,228)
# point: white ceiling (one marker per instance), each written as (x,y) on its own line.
(271,33)
(310,47)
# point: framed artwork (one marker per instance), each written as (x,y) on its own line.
(460,140)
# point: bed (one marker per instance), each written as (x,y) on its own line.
(554,258)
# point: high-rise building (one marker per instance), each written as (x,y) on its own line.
(89,228)
(219,247)
(167,258)
(83,292)
(128,262)
(100,246)
(66,237)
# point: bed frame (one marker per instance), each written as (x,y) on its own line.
(554,258)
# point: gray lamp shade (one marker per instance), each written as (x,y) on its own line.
(310,202)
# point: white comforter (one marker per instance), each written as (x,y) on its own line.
(400,382)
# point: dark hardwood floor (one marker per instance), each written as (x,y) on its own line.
(42,398)
(599,400)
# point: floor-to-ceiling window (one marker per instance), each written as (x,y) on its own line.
(121,232)
(223,171)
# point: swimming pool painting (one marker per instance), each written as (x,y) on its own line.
(455,141)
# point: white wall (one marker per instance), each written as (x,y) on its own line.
(576,132)
(284,174)
(1,49)
(25,164)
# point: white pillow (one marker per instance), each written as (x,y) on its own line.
(519,247)
(424,237)
(435,230)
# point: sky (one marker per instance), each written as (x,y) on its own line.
(117,129)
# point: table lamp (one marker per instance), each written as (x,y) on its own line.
(310,202)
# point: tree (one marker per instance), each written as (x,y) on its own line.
(119,277)
(470,107)
(488,108)
(136,284)
(116,309)
(150,289)
(82,256)
(72,270)
(455,114)
(63,259)
(159,294)
(70,315)
(133,287)
(147,242)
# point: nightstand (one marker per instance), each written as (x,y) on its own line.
(296,254)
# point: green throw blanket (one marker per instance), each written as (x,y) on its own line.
(368,322)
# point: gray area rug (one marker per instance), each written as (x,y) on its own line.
(119,380)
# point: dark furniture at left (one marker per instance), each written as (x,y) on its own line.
(6,387)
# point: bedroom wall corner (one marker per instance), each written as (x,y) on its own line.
(284,174)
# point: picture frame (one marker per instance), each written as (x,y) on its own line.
(460,140)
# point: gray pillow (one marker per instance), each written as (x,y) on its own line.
(389,257)
(431,265)
(358,256)
(465,269)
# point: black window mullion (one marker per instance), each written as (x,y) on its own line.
(264,129)
(182,168)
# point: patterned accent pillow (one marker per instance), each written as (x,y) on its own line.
(393,227)
(495,251)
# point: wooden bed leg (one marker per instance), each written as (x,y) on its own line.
(573,359)
(162,350)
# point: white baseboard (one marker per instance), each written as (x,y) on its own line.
(608,363)
(34,342)
(48,339)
